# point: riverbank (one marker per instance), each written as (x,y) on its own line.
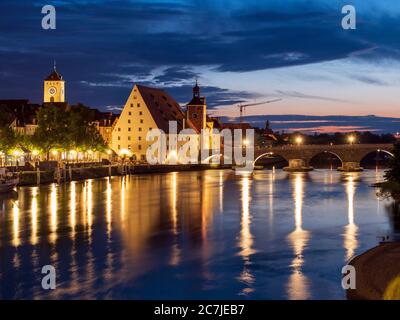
(28,178)
(377,274)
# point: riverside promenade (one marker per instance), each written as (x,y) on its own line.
(28,178)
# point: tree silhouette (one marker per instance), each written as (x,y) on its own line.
(393,174)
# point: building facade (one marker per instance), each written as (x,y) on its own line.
(54,88)
(21,115)
(146,109)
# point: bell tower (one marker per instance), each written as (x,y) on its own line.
(197,109)
(54,87)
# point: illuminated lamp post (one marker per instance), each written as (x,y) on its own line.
(299,140)
(351,139)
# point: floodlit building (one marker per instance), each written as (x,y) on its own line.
(54,88)
(145,109)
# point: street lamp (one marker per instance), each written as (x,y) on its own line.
(299,140)
(351,139)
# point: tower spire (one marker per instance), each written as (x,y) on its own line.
(196,89)
(55,65)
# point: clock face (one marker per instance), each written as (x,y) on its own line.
(52,91)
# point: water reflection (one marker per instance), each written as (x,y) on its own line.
(53,213)
(72,209)
(175,252)
(16,240)
(246,238)
(108,208)
(181,235)
(350,230)
(298,286)
(34,217)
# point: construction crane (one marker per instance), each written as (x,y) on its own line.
(242,107)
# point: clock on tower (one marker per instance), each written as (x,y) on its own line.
(54,86)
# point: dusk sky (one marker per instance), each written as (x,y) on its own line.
(247,50)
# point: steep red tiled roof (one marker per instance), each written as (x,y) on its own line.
(164,108)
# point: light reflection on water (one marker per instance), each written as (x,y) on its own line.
(298,240)
(211,234)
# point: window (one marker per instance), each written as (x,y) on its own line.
(129,138)
(119,129)
(140,129)
(139,138)
(141,120)
(129,113)
(143,157)
(131,105)
(129,120)
(119,138)
(138,105)
(140,113)
(194,115)
(129,129)
(140,147)
(119,147)
(129,147)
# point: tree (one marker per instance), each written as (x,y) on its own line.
(8,139)
(67,128)
(393,174)
(51,131)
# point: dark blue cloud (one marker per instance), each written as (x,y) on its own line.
(103,47)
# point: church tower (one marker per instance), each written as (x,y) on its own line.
(197,109)
(54,87)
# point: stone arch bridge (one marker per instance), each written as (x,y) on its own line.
(299,156)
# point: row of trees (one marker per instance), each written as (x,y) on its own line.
(59,128)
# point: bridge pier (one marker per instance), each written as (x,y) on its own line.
(298,165)
(350,167)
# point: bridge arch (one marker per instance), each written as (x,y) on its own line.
(319,153)
(366,154)
(215,156)
(278,155)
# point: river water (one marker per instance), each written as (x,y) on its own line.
(207,234)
